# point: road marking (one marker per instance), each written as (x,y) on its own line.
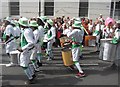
(3,64)
(96,64)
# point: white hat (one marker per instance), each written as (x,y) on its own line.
(50,22)
(23,21)
(8,19)
(33,24)
(77,24)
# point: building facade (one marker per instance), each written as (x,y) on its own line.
(54,8)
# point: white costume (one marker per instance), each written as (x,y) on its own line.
(76,36)
(51,39)
(27,43)
(10,44)
(17,31)
(107,32)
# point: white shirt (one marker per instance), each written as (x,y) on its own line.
(9,30)
(29,36)
(90,27)
(41,31)
(117,33)
(36,35)
(17,31)
(53,31)
(76,34)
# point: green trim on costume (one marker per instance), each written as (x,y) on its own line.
(49,35)
(23,40)
(96,32)
(115,40)
(39,54)
(75,62)
(74,45)
(33,61)
(4,36)
(24,68)
(81,48)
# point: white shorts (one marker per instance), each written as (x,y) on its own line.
(11,46)
(24,59)
(76,53)
(33,54)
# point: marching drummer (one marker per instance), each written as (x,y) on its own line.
(51,34)
(116,41)
(76,36)
(27,44)
(40,22)
(34,26)
(8,37)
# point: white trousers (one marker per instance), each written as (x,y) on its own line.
(11,46)
(24,59)
(76,53)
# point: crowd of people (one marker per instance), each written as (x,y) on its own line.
(41,33)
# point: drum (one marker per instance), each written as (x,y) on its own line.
(107,50)
(90,38)
(67,57)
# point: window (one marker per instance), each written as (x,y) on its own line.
(117,10)
(112,7)
(83,8)
(14,8)
(49,8)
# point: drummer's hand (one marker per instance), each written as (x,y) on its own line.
(19,49)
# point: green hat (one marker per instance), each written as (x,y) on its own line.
(33,24)
(77,24)
(43,18)
(8,19)
(77,19)
(50,22)
(23,21)
(16,22)
(118,21)
(12,22)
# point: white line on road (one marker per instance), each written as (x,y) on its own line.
(95,64)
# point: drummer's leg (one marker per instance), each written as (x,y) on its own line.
(75,54)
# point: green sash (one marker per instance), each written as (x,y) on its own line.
(73,44)
(23,40)
(49,35)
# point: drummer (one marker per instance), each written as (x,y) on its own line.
(51,34)
(9,39)
(75,36)
(27,44)
(116,41)
(108,31)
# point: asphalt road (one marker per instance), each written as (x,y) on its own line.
(55,74)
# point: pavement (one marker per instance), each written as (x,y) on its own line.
(54,74)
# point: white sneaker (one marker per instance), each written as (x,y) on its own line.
(10,65)
(37,70)
(49,59)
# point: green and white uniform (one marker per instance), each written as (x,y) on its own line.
(75,36)
(27,43)
(51,39)
(10,44)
